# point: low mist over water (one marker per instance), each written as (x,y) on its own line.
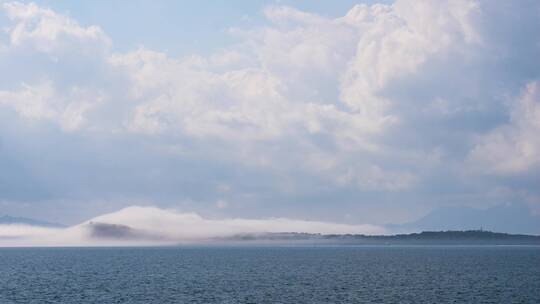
(153,226)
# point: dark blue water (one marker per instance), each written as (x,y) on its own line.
(271,275)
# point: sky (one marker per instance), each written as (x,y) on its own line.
(361,113)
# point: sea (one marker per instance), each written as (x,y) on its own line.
(272,274)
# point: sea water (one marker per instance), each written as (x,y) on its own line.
(376,274)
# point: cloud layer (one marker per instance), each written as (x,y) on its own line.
(375,116)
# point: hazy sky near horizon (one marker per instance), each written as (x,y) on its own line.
(343,111)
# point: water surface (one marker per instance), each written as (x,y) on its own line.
(377,274)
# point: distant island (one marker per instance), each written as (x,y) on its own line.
(468,237)
(450,237)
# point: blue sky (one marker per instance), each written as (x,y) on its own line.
(182,27)
(351,112)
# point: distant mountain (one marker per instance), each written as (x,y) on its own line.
(514,218)
(11,220)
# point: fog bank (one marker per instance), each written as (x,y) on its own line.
(154,226)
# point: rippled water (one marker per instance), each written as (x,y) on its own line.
(271,275)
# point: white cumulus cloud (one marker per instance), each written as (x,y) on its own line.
(388,102)
(48,31)
(515,147)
